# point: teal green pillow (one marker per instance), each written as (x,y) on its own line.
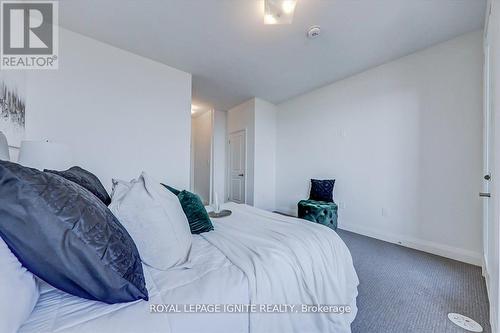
(194,210)
(196,213)
(173,190)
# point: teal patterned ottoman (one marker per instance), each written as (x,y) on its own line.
(321,212)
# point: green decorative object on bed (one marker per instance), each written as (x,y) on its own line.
(196,213)
(193,208)
(321,212)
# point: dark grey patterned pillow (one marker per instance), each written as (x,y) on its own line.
(322,190)
(66,236)
(85,179)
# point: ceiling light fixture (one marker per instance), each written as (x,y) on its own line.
(288,6)
(269,19)
(279,11)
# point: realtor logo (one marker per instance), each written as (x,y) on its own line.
(29,35)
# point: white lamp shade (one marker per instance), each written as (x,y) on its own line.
(4,148)
(45,155)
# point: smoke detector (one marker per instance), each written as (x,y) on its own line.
(279,11)
(313,32)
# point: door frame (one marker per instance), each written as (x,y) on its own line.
(228,164)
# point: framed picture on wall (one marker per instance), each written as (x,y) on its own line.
(12,108)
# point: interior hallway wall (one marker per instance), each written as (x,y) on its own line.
(201,128)
(219,155)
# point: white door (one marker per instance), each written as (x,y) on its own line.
(492,161)
(237,166)
(487,144)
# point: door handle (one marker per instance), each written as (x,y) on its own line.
(484,195)
(241,175)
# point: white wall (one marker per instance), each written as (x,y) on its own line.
(403,141)
(219,154)
(201,134)
(119,112)
(242,117)
(265,155)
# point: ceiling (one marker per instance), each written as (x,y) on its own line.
(233,56)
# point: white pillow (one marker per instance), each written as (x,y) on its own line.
(18,291)
(120,189)
(154,218)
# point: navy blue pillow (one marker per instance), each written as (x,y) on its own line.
(66,236)
(322,190)
(85,179)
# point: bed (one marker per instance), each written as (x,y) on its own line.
(252,257)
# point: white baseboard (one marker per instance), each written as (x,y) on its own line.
(470,257)
(286,211)
(451,252)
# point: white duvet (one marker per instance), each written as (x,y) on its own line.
(289,261)
(252,257)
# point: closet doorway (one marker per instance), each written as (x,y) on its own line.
(237,166)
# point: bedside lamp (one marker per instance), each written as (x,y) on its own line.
(45,155)
(4,148)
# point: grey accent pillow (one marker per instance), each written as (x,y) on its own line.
(67,237)
(85,179)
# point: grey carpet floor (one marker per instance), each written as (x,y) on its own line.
(403,290)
